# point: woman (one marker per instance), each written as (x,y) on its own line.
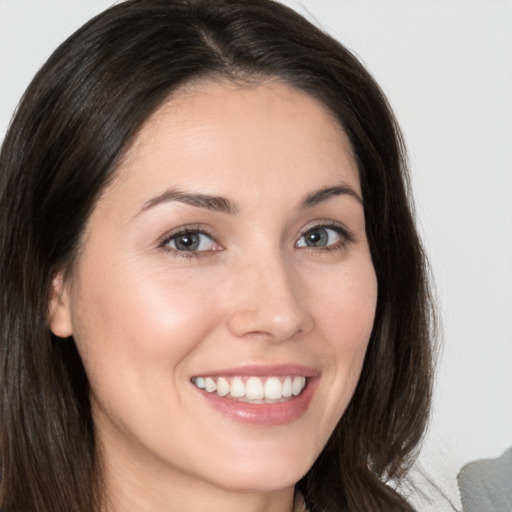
(213,294)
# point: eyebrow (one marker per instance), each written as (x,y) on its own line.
(224,205)
(328,192)
(207,201)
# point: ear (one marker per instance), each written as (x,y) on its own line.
(59,308)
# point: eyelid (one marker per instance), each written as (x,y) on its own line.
(346,235)
(182,230)
(337,226)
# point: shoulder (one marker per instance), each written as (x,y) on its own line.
(486,484)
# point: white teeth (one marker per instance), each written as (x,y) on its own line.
(210,384)
(287,387)
(237,388)
(253,388)
(298,385)
(273,388)
(223,387)
(200,382)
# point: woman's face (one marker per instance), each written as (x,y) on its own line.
(229,253)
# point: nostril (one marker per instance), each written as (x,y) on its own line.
(267,300)
(260,323)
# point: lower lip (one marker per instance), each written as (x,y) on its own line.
(263,414)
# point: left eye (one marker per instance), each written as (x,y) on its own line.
(320,237)
(191,241)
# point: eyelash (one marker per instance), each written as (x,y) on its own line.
(189,230)
(345,239)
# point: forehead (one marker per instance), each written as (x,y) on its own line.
(246,136)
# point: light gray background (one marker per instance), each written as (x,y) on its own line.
(446,66)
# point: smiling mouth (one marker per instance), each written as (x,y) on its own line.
(252,389)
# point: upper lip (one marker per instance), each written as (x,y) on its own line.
(263,370)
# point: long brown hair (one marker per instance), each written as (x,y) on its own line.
(71,128)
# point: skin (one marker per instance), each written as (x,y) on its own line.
(146,317)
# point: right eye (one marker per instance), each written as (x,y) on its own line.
(190,241)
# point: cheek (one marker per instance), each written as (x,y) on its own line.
(139,325)
(345,315)
(346,307)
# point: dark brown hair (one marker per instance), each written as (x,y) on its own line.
(71,128)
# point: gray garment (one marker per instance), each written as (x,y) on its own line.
(486,485)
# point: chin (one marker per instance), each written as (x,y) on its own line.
(263,480)
(266,473)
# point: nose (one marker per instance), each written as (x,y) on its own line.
(269,300)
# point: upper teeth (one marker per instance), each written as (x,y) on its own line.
(253,388)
